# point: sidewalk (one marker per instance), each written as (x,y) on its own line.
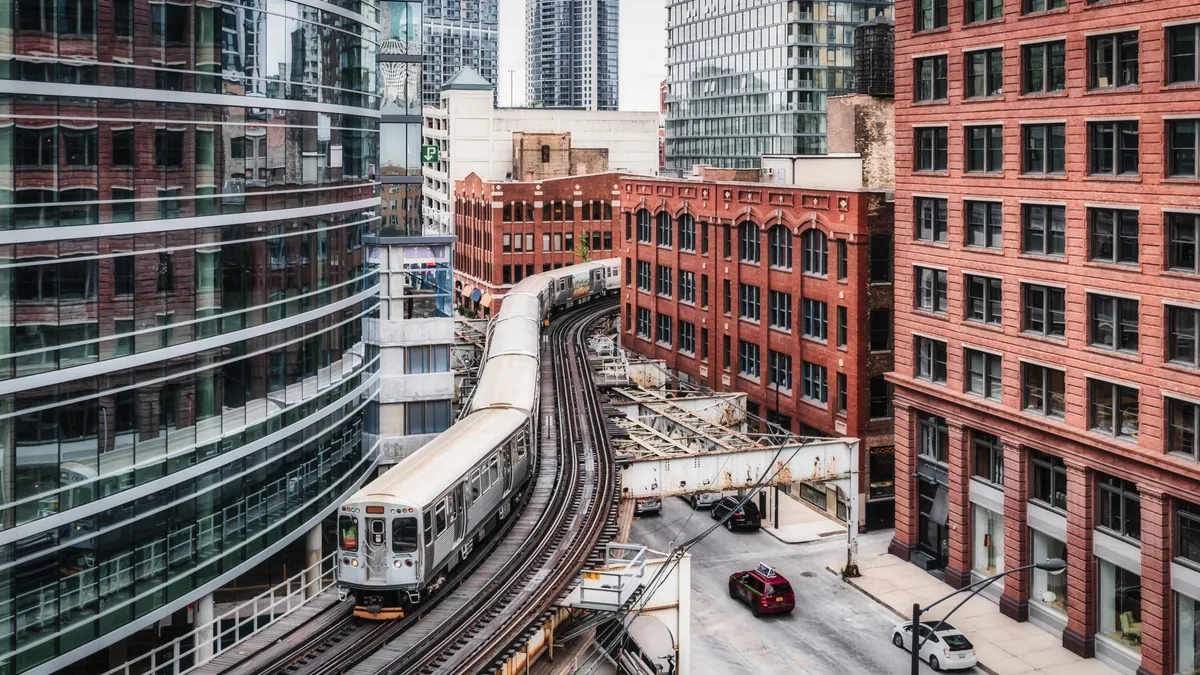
(1003,646)
(798,522)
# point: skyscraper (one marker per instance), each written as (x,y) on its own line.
(458,35)
(571,53)
(184,388)
(748,78)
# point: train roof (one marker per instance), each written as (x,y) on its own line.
(514,335)
(521,305)
(508,382)
(442,462)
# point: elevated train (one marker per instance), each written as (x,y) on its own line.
(401,535)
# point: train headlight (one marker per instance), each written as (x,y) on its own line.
(354,562)
(398,564)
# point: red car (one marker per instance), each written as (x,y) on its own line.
(764,589)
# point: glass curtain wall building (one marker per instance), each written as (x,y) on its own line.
(185,193)
(571,54)
(414,263)
(458,34)
(750,77)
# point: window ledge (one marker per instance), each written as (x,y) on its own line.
(815,403)
(1043,176)
(1179,274)
(986,250)
(1173,365)
(1120,266)
(1038,15)
(1112,179)
(1108,91)
(933,102)
(1055,258)
(944,316)
(993,327)
(817,341)
(879,283)
(1103,435)
(927,172)
(985,22)
(1180,180)
(931,31)
(983,99)
(781,329)
(1195,84)
(1059,93)
(1059,340)
(932,244)
(1124,355)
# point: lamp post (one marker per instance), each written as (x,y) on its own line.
(1051,565)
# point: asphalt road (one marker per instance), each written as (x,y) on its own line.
(835,629)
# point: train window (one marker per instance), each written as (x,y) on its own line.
(476,490)
(377,531)
(494,470)
(404,535)
(348,532)
(440,516)
(428,528)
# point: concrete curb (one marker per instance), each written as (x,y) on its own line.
(898,613)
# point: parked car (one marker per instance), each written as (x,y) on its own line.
(764,589)
(648,505)
(745,517)
(944,649)
(702,500)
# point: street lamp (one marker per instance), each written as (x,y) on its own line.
(1051,565)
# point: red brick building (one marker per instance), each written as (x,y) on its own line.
(1048,298)
(767,289)
(508,231)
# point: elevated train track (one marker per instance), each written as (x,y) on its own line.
(568,514)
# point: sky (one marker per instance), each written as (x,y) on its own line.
(642,57)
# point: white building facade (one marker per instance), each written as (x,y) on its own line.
(473,136)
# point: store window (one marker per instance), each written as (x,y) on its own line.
(1187,533)
(1187,637)
(988,534)
(1120,605)
(1049,589)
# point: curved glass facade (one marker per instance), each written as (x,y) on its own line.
(184,289)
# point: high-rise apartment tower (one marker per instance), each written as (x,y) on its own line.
(571,53)
(748,78)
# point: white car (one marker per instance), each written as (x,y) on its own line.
(703,500)
(946,649)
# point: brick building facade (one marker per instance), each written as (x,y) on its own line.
(508,231)
(768,290)
(1046,389)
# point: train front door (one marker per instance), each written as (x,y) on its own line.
(376,548)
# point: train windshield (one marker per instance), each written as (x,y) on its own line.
(404,535)
(348,532)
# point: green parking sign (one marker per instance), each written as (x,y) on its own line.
(430,154)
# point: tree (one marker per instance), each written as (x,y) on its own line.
(582,250)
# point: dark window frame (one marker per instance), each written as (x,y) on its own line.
(931,145)
(1044,67)
(1113,412)
(1111,326)
(931,219)
(983,374)
(1113,236)
(929,359)
(1113,148)
(1044,230)
(930,79)
(1043,390)
(1044,149)
(984,299)
(1122,69)
(1051,316)
(987,233)
(983,68)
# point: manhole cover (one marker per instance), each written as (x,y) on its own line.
(807,575)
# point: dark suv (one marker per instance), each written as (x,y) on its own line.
(745,518)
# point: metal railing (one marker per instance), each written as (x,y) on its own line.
(205,642)
(623,572)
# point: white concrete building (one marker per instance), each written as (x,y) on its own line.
(475,136)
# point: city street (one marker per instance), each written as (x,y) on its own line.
(835,630)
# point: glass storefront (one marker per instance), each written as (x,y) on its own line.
(1187,635)
(1049,590)
(1120,605)
(987,536)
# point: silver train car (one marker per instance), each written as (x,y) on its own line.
(400,536)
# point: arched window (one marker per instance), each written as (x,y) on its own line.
(780,247)
(528,212)
(664,229)
(519,212)
(748,244)
(643,226)
(508,209)
(687,233)
(816,252)
(570,212)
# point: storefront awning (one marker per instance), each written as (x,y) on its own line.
(476,295)
(467,290)
(486,300)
